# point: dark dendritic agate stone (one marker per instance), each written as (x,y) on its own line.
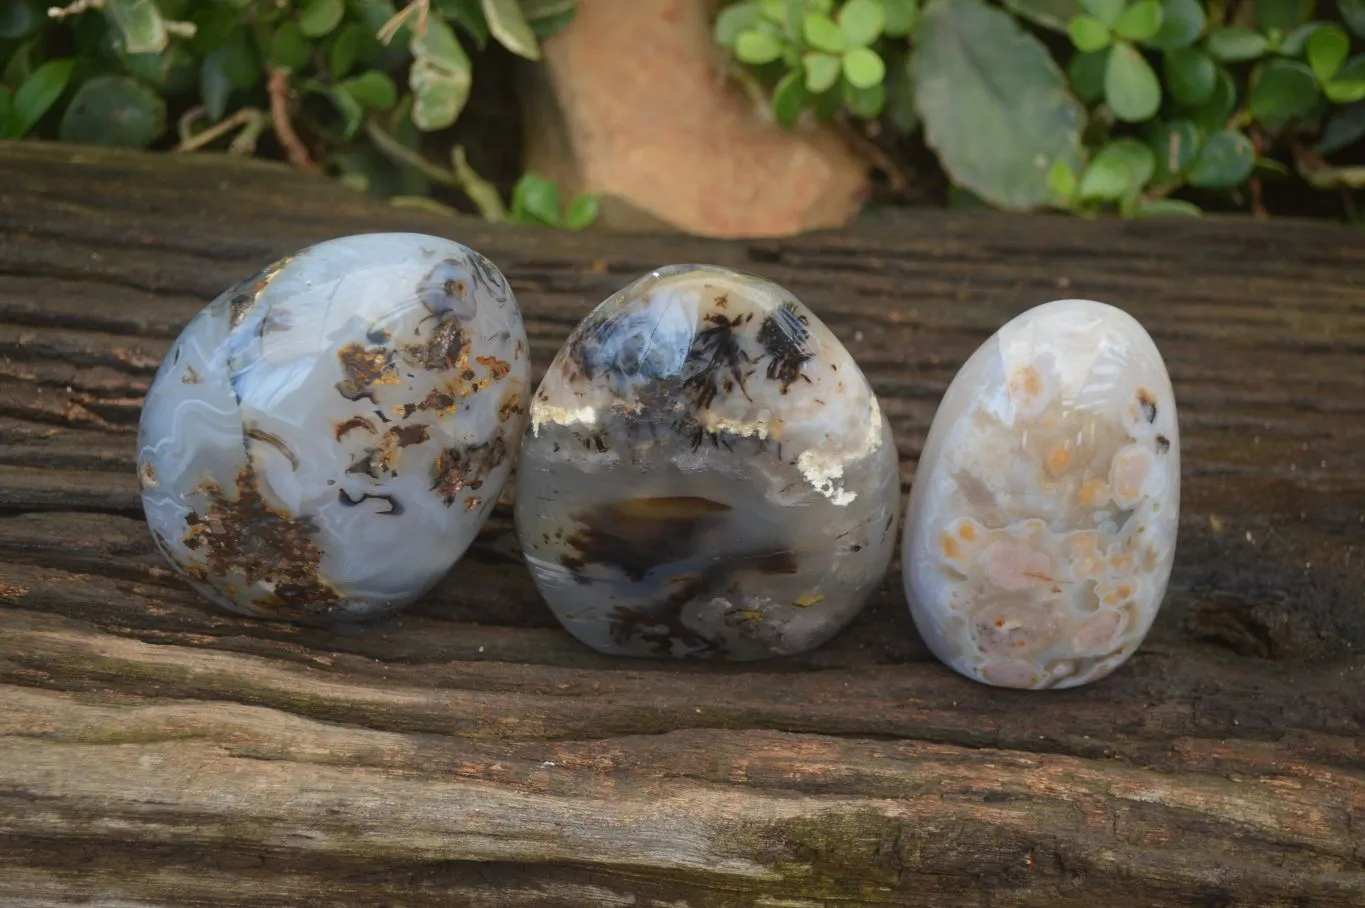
(706,473)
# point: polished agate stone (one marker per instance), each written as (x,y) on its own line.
(1042,521)
(706,473)
(325,439)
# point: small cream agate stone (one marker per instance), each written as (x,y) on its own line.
(324,440)
(707,473)
(1042,522)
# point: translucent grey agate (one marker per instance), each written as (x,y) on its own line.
(324,440)
(706,473)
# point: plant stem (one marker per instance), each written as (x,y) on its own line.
(399,153)
(253,119)
(279,119)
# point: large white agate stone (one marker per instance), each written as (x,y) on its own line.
(707,473)
(324,440)
(1042,521)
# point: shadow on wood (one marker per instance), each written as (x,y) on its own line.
(156,751)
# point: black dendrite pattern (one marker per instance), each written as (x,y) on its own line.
(717,359)
(784,335)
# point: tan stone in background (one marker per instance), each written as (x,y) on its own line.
(632,103)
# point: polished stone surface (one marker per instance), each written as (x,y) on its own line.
(324,440)
(707,473)
(1042,521)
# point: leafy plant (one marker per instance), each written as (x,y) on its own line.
(361,88)
(826,59)
(1143,107)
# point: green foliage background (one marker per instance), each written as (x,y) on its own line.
(1135,106)
(1139,107)
(363,85)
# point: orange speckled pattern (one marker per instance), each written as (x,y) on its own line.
(1042,524)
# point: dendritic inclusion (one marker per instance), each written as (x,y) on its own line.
(1041,526)
(325,439)
(706,474)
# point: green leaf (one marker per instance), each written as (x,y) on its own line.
(213,23)
(351,110)
(862,21)
(1348,85)
(1053,14)
(1086,74)
(509,27)
(288,47)
(114,110)
(822,33)
(1213,115)
(960,199)
(865,102)
(1234,44)
(1104,181)
(468,15)
(373,90)
(1190,75)
(1157,208)
(830,103)
(1328,48)
(863,68)
(140,24)
(783,19)
(582,212)
(1088,34)
(1270,168)
(1182,22)
(900,97)
(775,10)
(757,48)
(789,97)
(214,85)
(1282,90)
(319,17)
(19,19)
(901,16)
(1174,146)
(549,17)
(734,20)
(535,199)
(1353,13)
(1295,43)
(1344,128)
(38,93)
(482,193)
(345,49)
(1134,155)
(239,60)
(22,62)
(375,13)
(1282,15)
(1130,86)
(1120,169)
(1107,11)
(172,71)
(1225,161)
(979,76)
(1140,21)
(440,77)
(1061,183)
(822,71)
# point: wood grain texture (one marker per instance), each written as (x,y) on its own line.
(155,751)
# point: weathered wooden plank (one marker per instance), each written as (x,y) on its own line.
(156,751)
